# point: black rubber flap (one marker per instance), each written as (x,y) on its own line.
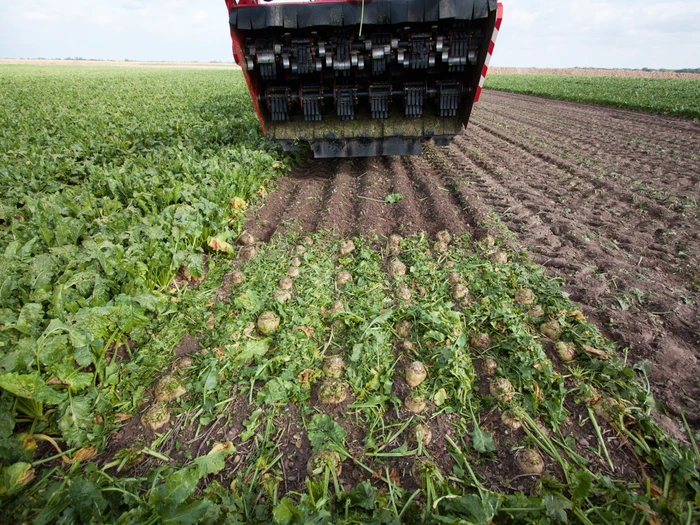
(370,17)
(258,17)
(233,17)
(416,10)
(336,15)
(275,16)
(399,12)
(383,13)
(351,14)
(447,8)
(481,9)
(305,16)
(290,17)
(322,17)
(244,18)
(366,147)
(432,11)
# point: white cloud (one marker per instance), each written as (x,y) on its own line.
(595,33)
(624,33)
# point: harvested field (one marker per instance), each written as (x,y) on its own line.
(605,199)
(161,364)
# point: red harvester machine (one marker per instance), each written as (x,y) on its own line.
(357,78)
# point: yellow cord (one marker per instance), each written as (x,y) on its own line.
(362,16)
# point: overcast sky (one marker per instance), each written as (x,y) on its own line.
(542,33)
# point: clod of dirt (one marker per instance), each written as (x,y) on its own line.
(488,241)
(449,265)
(552,329)
(408,346)
(423,434)
(332,392)
(293,271)
(403,329)
(237,277)
(156,417)
(296,262)
(246,239)
(282,296)
(444,236)
(454,278)
(169,388)
(415,374)
(421,291)
(300,249)
(404,294)
(509,420)
(530,462)
(334,367)
(268,323)
(337,308)
(184,362)
(397,268)
(499,258)
(343,278)
(459,291)
(322,460)
(536,311)
(566,351)
(394,246)
(308,241)
(525,296)
(481,341)
(286,283)
(502,389)
(489,367)
(346,248)
(440,247)
(415,403)
(248,253)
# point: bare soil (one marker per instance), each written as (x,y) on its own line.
(605,199)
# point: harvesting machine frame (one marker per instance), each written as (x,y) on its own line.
(364,77)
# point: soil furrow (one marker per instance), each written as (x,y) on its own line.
(566,247)
(413,213)
(263,221)
(338,215)
(447,211)
(375,216)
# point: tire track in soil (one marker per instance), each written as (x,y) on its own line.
(264,220)
(449,212)
(412,214)
(338,212)
(375,216)
(532,214)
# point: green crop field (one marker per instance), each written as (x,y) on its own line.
(330,381)
(677,97)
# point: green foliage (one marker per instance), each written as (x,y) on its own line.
(112,182)
(667,96)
